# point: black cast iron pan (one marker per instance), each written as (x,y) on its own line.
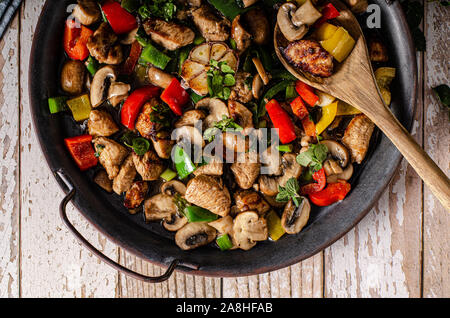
(153,243)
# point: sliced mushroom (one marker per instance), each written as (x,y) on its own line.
(190,117)
(175,222)
(290,31)
(344,175)
(159,207)
(338,151)
(261,71)
(87,12)
(194,235)
(118,92)
(163,144)
(188,135)
(242,38)
(257,86)
(332,167)
(248,228)
(215,108)
(158,77)
(73,77)
(291,169)
(223,225)
(295,218)
(173,187)
(102,80)
(306,14)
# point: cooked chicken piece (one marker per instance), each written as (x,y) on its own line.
(149,166)
(208,193)
(190,118)
(310,57)
(123,181)
(213,168)
(111,156)
(168,34)
(146,127)
(136,195)
(163,144)
(211,27)
(87,12)
(242,90)
(101,123)
(377,51)
(357,137)
(101,178)
(241,115)
(242,38)
(250,200)
(104,47)
(246,170)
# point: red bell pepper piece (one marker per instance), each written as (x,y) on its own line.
(333,193)
(133,104)
(130,63)
(328,12)
(281,121)
(82,151)
(75,39)
(309,127)
(121,20)
(306,92)
(300,110)
(175,96)
(321,182)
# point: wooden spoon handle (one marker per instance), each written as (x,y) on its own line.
(425,167)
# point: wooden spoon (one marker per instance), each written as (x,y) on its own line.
(354,83)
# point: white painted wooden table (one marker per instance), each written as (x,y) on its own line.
(401,249)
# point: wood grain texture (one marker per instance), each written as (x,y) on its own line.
(9,167)
(437,143)
(53,263)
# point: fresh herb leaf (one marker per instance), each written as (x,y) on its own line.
(289,191)
(99,149)
(313,157)
(223,125)
(139,145)
(220,79)
(164,9)
(161,114)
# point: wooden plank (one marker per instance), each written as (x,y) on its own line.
(9,163)
(381,256)
(53,263)
(178,286)
(436,246)
(304,279)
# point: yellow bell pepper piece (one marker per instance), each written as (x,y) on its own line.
(328,115)
(80,107)
(339,45)
(325,31)
(345,109)
(384,77)
(276,230)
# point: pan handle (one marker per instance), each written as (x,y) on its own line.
(100,255)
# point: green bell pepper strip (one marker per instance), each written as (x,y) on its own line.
(285,148)
(130,5)
(290,92)
(183,163)
(57,104)
(92,65)
(182,57)
(224,242)
(152,55)
(198,214)
(274,90)
(199,40)
(168,175)
(229,8)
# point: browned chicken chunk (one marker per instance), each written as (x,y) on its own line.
(144,124)
(123,181)
(246,170)
(213,168)
(163,144)
(101,178)
(101,123)
(136,195)
(104,47)
(168,34)
(310,57)
(87,12)
(149,166)
(211,27)
(242,90)
(357,137)
(251,201)
(207,192)
(111,156)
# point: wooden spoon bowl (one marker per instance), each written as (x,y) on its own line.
(353,82)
